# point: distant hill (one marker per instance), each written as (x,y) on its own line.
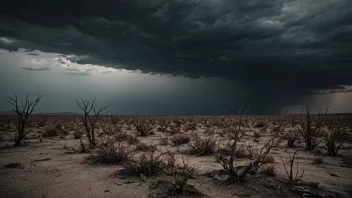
(61,113)
(7,113)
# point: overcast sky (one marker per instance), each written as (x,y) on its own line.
(178,57)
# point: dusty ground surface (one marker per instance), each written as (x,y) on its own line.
(53,167)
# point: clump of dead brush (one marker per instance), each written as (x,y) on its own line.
(121,136)
(55,130)
(292,179)
(173,168)
(164,141)
(174,130)
(318,160)
(146,163)
(50,132)
(256,134)
(259,125)
(336,137)
(203,146)
(83,147)
(142,126)
(178,188)
(268,170)
(141,146)
(310,126)
(111,153)
(163,125)
(181,173)
(77,134)
(291,138)
(181,187)
(238,174)
(132,139)
(209,131)
(191,127)
(179,139)
(250,151)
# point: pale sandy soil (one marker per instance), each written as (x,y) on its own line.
(51,167)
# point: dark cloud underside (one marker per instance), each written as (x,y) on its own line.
(272,47)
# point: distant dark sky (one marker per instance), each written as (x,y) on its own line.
(183,57)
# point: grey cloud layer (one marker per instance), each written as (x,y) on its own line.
(36,69)
(291,46)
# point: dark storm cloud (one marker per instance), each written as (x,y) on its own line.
(77,73)
(33,54)
(72,70)
(274,48)
(36,69)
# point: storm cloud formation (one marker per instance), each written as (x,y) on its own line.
(273,48)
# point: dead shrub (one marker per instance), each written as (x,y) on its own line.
(132,139)
(291,138)
(250,151)
(209,131)
(318,160)
(141,146)
(241,152)
(13,165)
(310,126)
(83,146)
(164,141)
(89,120)
(256,134)
(51,132)
(77,134)
(292,178)
(179,139)
(177,188)
(142,126)
(23,109)
(121,136)
(173,168)
(191,127)
(268,159)
(268,170)
(203,146)
(259,125)
(147,164)
(110,153)
(336,137)
(176,130)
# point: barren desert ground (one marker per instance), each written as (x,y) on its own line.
(151,156)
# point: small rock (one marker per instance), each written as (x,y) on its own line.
(144,178)
(106,190)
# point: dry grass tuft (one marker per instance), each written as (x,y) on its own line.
(291,138)
(121,136)
(147,164)
(51,132)
(77,134)
(203,146)
(268,159)
(268,170)
(256,134)
(110,153)
(318,160)
(141,146)
(132,139)
(164,141)
(173,168)
(179,139)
